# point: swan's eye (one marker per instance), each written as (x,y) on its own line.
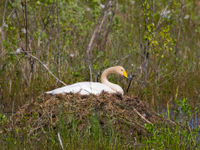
(122,70)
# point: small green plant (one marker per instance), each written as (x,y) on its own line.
(180,137)
(184,107)
(3,119)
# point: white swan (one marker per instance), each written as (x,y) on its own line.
(86,88)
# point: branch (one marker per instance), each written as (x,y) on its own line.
(95,34)
(34,57)
(26,25)
(159,21)
(104,40)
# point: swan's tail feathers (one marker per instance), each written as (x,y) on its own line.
(50,93)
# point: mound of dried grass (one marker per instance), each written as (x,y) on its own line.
(128,114)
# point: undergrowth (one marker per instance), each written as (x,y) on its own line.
(73,136)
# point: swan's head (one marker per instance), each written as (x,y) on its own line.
(120,70)
(116,70)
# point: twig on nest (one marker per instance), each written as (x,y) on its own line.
(130,78)
(142,116)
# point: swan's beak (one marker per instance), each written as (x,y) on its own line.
(125,74)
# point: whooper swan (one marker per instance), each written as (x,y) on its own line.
(86,88)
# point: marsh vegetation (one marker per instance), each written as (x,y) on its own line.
(45,44)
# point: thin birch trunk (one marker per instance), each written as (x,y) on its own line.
(58,27)
(180,20)
(2,29)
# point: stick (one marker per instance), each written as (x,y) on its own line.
(129,85)
(142,116)
(131,79)
(60,141)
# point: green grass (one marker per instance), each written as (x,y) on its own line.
(94,138)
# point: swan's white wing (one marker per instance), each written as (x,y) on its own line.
(83,88)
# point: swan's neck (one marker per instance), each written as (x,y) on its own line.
(105,81)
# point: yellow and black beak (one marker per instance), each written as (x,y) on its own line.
(125,74)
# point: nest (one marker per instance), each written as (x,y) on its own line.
(128,115)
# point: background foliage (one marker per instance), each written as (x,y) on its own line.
(159,41)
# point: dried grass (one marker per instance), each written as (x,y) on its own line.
(128,114)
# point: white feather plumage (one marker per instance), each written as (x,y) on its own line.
(96,88)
